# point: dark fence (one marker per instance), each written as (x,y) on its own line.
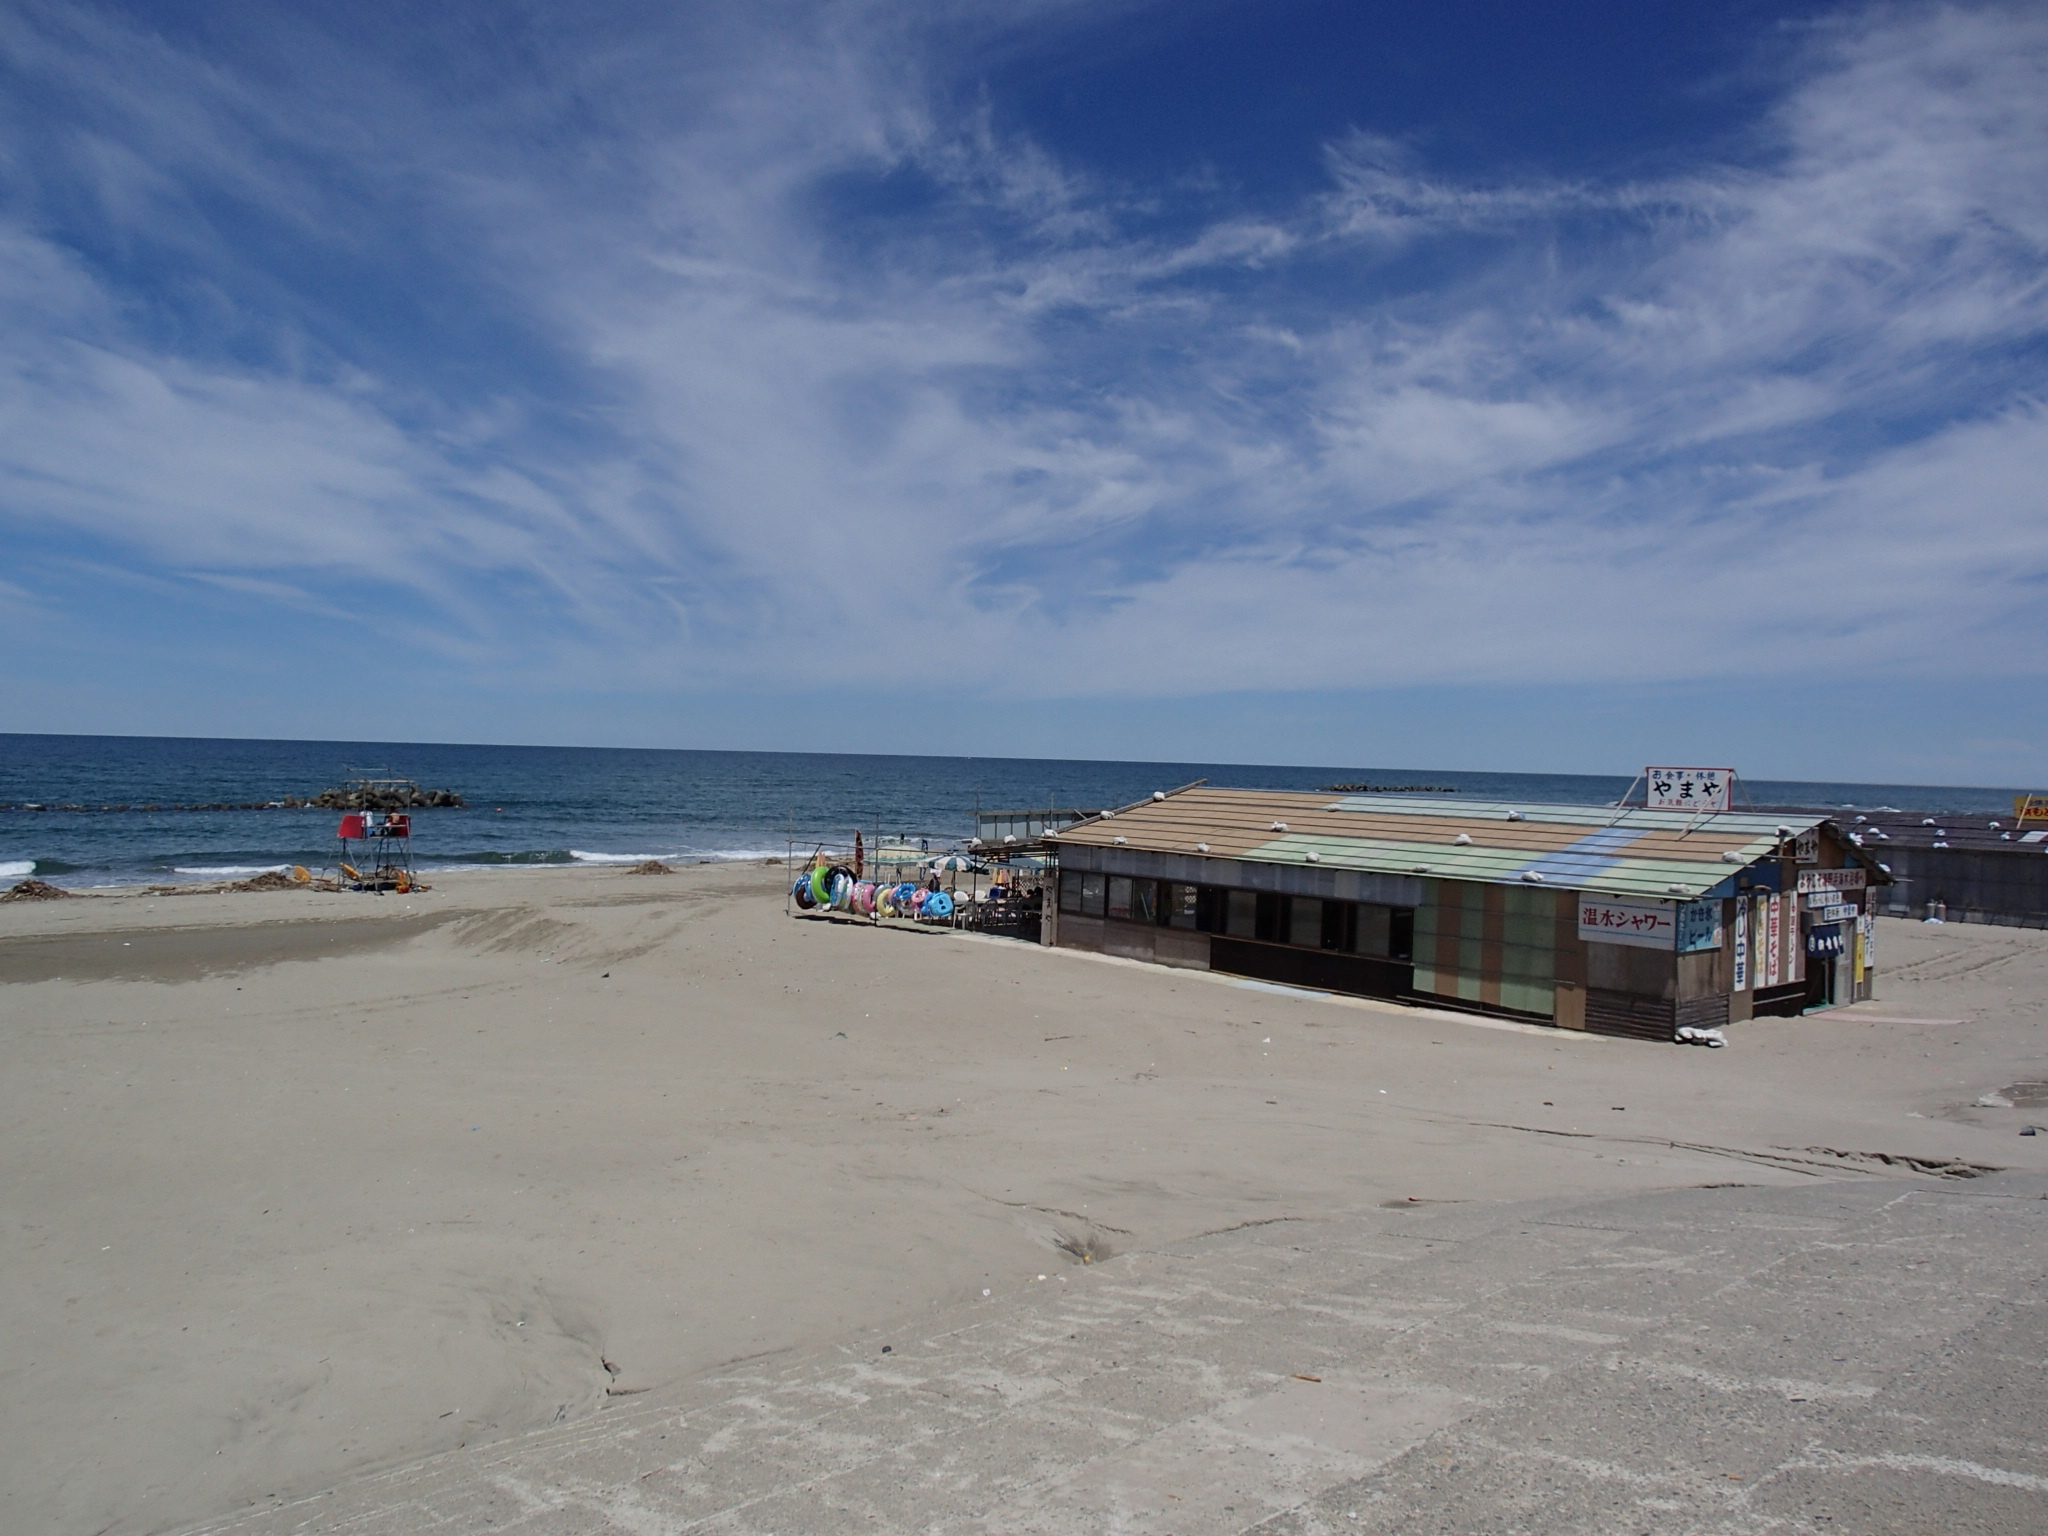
(2008,887)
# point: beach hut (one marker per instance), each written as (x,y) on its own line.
(1619,920)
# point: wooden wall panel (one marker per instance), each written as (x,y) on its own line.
(1181,947)
(1078,932)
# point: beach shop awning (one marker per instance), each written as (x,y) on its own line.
(1658,855)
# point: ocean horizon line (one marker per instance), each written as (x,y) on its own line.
(958,757)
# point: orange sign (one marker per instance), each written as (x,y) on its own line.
(2031,807)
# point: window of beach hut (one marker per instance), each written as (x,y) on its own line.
(1242,921)
(1305,922)
(1092,895)
(1145,901)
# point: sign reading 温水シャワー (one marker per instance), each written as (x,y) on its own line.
(1647,925)
(1689,789)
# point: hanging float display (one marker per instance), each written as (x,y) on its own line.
(825,886)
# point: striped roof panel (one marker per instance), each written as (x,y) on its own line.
(1655,855)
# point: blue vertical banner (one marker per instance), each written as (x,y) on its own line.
(1699,926)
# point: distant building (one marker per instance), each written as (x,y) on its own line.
(995,829)
(1977,868)
(1624,922)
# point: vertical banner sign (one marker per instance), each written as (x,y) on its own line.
(1741,945)
(1688,789)
(1774,941)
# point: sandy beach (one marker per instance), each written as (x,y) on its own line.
(299,1184)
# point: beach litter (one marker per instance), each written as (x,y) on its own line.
(36,890)
(1688,1035)
(651,867)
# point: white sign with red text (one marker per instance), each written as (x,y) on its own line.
(1647,925)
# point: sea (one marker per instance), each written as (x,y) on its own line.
(82,811)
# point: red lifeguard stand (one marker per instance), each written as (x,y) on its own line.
(376,851)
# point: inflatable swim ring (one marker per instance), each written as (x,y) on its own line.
(938,904)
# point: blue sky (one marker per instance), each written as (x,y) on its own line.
(1470,385)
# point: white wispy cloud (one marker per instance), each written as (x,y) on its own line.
(801,372)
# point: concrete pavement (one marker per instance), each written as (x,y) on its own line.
(1858,1354)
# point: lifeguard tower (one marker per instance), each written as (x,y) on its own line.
(376,851)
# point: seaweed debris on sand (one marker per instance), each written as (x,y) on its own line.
(277,880)
(270,880)
(651,867)
(35,890)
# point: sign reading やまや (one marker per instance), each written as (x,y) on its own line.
(1689,789)
(1647,925)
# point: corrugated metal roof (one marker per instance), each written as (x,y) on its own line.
(1879,830)
(1659,855)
